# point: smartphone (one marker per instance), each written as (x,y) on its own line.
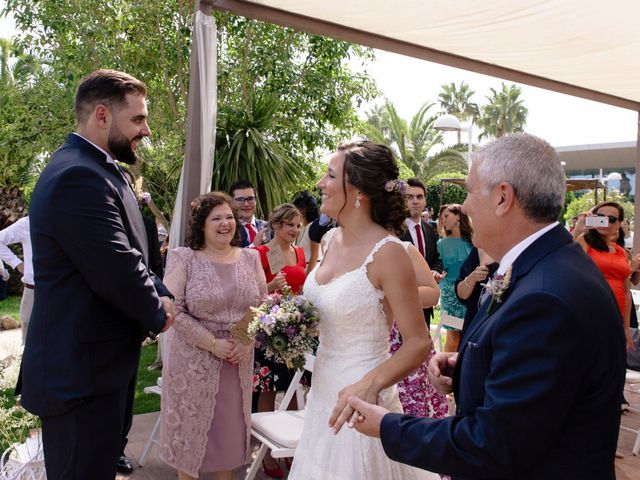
(595,221)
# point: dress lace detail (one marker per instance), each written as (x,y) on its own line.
(191,374)
(354,336)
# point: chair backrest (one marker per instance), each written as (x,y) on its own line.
(446,320)
(635,295)
(295,387)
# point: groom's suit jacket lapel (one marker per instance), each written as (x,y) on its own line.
(547,243)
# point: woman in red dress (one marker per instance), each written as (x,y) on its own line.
(612,260)
(270,377)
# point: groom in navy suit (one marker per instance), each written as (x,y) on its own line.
(539,373)
(95,297)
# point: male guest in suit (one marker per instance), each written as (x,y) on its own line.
(95,298)
(420,233)
(254,231)
(539,374)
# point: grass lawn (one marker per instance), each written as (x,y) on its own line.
(144,402)
(11,306)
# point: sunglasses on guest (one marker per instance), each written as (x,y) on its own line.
(612,218)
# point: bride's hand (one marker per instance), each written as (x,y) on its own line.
(342,412)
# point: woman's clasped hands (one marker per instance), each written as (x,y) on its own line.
(232,350)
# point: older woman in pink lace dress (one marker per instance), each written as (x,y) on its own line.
(207,376)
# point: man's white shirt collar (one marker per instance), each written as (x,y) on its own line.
(411,224)
(109,157)
(511,256)
(252,222)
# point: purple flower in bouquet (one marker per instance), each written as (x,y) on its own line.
(291,332)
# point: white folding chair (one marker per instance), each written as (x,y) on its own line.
(280,431)
(632,383)
(157,390)
(446,320)
(635,295)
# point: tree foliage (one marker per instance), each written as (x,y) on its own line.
(452,193)
(586,202)
(316,91)
(411,140)
(456,100)
(505,113)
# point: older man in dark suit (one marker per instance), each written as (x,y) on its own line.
(540,370)
(95,298)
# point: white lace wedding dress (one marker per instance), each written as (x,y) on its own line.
(354,339)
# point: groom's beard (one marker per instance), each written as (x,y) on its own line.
(120,146)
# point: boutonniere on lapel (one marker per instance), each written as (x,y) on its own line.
(496,287)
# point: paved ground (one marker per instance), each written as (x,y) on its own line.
(627,468)
(154,469)
(10,341)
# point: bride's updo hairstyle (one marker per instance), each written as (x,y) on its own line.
(372,169)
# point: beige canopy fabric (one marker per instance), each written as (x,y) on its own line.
(586,48)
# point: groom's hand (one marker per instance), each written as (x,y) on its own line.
(370,416)
(441,367)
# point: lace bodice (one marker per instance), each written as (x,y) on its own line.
(354,330)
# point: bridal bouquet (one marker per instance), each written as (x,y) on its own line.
(286,327)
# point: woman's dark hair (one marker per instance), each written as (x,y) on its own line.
(200,209)
(466,230)
(594,239)
(307,205)
(369,166)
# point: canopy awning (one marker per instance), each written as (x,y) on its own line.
(584,48)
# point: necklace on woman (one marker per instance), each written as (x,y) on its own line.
(215,256)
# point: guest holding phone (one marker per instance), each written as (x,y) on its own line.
(596,232)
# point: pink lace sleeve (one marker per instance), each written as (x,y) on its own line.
(175,278)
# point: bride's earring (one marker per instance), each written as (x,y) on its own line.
(357,204)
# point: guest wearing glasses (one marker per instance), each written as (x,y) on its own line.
(254,232)
(610,258)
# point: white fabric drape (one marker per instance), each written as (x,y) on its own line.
(204,38)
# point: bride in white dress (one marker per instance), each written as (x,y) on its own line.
(365,279)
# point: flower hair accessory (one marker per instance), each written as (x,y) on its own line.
(395,185)
(497,286)
(145,197)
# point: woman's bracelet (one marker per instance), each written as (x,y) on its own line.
(467,283)
(213,346)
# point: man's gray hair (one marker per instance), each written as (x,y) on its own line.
(532,167)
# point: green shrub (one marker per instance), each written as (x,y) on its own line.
(15,421)
(452,193)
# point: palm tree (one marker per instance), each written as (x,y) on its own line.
(412,141)
(505,113)
(457,101)
(450,159)
(247,149)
